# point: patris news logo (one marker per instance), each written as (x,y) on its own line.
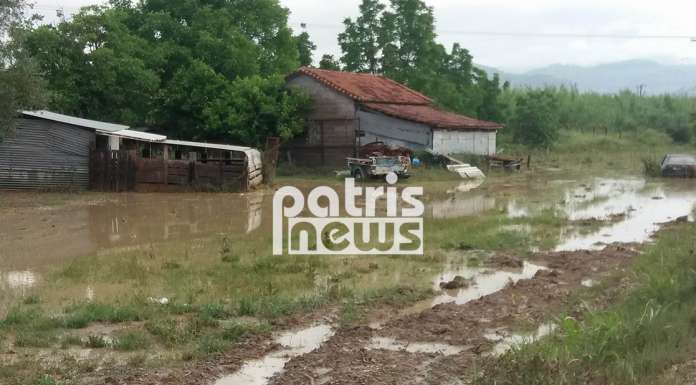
(315,225)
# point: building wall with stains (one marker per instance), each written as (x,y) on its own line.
(41,154)
(393,131)
(464,142)
(330,132)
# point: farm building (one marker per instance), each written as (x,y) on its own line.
(351,109)
(54,151)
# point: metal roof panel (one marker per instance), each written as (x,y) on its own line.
(93,124)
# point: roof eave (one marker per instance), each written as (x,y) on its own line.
(468,128)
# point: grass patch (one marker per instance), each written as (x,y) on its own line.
(633,342)
(81,315)
(132,340)
(31,338)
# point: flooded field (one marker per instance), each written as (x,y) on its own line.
(174,254)
(35,237)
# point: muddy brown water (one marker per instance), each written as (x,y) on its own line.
(33,238)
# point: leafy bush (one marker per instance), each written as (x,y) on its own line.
(651,167)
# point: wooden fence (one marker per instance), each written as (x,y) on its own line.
(112,170)
(125,171)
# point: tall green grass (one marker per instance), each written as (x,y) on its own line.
(633,342)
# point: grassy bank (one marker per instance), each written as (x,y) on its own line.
(632,342)
(575,151)
(578,151)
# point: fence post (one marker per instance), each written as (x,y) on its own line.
(165,166)
(221,173)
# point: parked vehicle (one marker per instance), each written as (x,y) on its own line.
(378,166)
(679,165)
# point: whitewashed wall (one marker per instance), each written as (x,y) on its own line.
(464,142)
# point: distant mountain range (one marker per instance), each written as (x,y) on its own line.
(655,78)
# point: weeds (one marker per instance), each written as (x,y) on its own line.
(30,338)
(133,340)
(633,342)
(651,167)
(96,342)
(79,316)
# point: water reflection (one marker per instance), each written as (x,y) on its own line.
(457,207)
(640,209)
(294,344)
(505,341)
(18,280)
(483,282)
(385,343)
(31,240)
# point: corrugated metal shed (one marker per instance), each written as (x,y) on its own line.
(43,154)
(86,123)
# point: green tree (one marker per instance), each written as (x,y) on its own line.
(400,42)
(360,42)
(535,123)
(171,65)
(305,48)
(410,53)
(329,63)
(21,86)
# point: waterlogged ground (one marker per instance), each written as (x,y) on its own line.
(167,284)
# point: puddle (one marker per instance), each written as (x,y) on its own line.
(455,206)
(588,282)
(18,280)
(260,372)
(467,185)
(505,341)
(484,282)
(630,200)
(384,343)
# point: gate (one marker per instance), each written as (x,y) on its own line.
(112,170)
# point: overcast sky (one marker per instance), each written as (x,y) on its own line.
(456,19)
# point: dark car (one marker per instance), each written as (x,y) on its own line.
(679,165)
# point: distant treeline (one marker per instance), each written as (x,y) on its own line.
(214,70)
(534,116)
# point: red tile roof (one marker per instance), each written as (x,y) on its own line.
(384,95)
(366,88)
(431,116)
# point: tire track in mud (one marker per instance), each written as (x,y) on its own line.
(351,357)
(434,345)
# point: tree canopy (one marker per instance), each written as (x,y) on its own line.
(21,86)
(399,41)
(181,66)
(214,70)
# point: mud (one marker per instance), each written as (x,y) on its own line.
(293,344)
(205,372)
(449,338)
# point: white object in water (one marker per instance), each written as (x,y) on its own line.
(466,170)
